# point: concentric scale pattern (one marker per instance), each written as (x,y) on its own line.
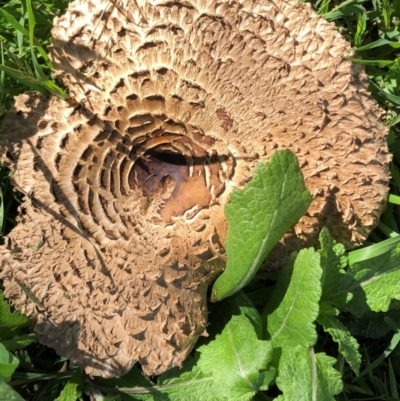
(172,106)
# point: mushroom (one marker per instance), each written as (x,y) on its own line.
(172,106)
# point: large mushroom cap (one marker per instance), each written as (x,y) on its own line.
(122,228)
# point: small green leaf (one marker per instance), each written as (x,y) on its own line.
(19,342)
(374,283)
(348,345)
(292,322)
(258,216)
(306,376)
(73,389)
(8,363)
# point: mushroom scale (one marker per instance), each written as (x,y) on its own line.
(174,104)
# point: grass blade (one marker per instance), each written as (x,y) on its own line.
(395,100)
(360,31)
(373,251)
(24,32)
(386,13)
(394,199)
(378,43)
(24,78)
(392,382)
(378,63)
(2,81)
(393,343)
(1,212)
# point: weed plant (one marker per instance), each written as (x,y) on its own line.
(350,342)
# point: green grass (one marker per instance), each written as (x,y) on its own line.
(373,28)
(25,65)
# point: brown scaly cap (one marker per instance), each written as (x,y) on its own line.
(122,227)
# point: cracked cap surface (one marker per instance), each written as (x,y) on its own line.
(122,228)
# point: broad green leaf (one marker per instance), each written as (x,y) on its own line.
(292,322)
(73,389)
(258,217)
(19,342)
(374,283)
(9,321)
(189,385)
(258,291)
(247,308)
(278,292)
(7,393)
(237,360)
(231,367)
(306,376)
(8,363)
(348,345)
(333,263)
